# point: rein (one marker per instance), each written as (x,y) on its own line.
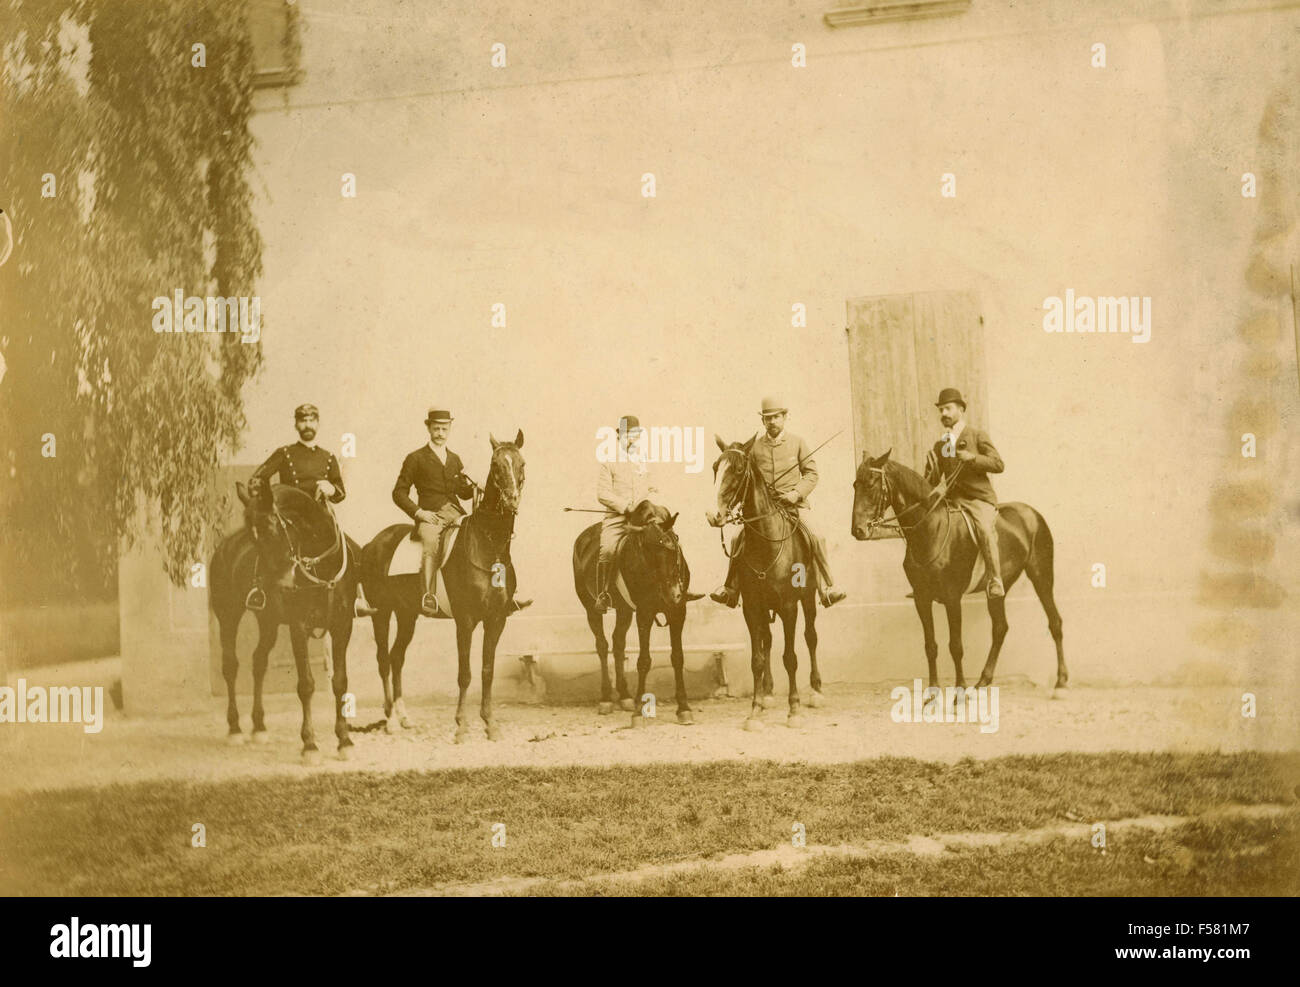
(305,564)
(735,515)
(886,503)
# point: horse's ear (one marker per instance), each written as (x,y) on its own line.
(242,491)
(882,458)
(671,521)
(519,439)
(494,442)
(750,444)
(718,439)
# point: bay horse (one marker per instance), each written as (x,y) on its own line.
(941,556)
(480,582)
(657,577)
(309,570)
(777,574)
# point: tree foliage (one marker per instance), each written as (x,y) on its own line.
(151,158)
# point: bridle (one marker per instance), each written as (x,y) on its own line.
(735,513)
(305,564)
(675,548)
(503,549)
(886,502)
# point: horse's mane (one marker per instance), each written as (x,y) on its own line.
(906,479)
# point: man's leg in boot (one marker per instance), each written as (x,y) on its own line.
(986,519)
(611,530)
(430,543)
(728,594)
(517,603)
(826,585)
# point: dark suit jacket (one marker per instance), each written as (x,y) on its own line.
(435,484)
(973,483)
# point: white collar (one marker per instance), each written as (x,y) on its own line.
(442,456)
(957,429)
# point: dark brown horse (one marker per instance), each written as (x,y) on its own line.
(777,574)
(309,571)
(657,579)
(480,582)
(941,556)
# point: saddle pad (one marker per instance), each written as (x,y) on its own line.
(406,562)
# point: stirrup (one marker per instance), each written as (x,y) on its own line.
(1002,591)
(603,602)
(429,605)
(256,599)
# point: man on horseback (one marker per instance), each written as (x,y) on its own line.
(785,464)
(620,486)
(963,458)
(312,470)
(440,484)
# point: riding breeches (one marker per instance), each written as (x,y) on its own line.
(430,532)
(612,530)
(985,516)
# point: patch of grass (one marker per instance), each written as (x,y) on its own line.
(1255,858)
(386,832)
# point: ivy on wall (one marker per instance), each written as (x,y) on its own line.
(125,158)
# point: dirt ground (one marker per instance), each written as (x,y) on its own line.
(854,724)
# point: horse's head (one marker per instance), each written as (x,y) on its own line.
(267,526)
(506,472)
(870,494)
(665,565)
(731,480)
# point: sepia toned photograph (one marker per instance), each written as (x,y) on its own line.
(657,449)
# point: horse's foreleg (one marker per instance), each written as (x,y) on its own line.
(998,611)
(790,625)
(622,621)
(464,638)
(1041,575)
(925,610)
(340,636)
(268,629)
(810,638)
(756,620)
(955,647)
(596,621)
(380,622)
(396,661)
(644,622)
(492,628)
(675,622)
(306,686)
(229,624)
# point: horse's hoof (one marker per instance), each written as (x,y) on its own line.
(493,732)
(407,723)
(795,721)
(311,757)
(753,725)
(1061,692)
(236,739)
(626,704)
(462,736)
(605,708)
(816,700)
(685,717)
(638,721)
(391,725)
(345,753)
(261,737)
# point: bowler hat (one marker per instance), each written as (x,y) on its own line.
(950,395)
(628,422)
(774,406)
(438,415)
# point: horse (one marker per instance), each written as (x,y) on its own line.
(657,577)
(480,582)
(309,570)
(941,556)
(777,574)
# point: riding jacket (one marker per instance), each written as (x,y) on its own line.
(973,482)
(436,482)
(301,466)
(786,454)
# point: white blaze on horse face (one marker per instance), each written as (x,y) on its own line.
(719,483)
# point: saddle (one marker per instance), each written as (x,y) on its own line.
(408,551)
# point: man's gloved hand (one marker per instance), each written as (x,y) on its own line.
(790,497)
(428,517)
(325,487)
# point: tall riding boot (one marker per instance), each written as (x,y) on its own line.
(829,594)
(728,594)
(989,549)
(429,585)
(603,601)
